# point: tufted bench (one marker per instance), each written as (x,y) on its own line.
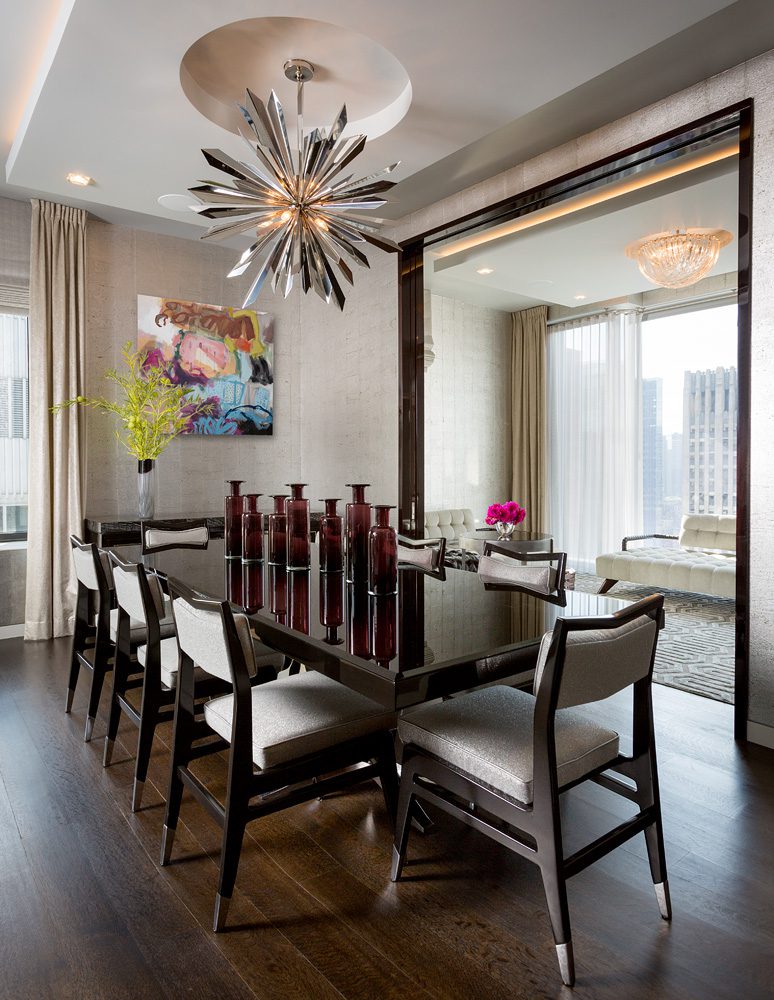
(704,563)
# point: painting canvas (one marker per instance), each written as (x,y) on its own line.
(222,355)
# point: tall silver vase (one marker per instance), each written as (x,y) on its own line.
(146,488)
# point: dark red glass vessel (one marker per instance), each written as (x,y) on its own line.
(382,553)
(332,605)
(384,628)
(252,529)
(278,521)
(278,593)
(358,620)
(234,590)
(358,521)
(252,586)
(298,600)
(297,510)
(331,552)
(232,527)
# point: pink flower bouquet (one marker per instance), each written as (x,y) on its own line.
(505,513)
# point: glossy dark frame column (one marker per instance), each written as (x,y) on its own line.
(411,329)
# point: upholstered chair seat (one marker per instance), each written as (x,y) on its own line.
(299,715)
(488,734)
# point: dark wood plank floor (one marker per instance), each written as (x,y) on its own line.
(85,911)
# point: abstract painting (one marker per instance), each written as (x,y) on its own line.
(222,355)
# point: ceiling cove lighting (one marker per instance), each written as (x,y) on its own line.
(484,270)
(600,196)
(303,214)
(678,259)
(579,298)
(79,180)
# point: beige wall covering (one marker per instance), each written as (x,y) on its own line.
(467,406)
(336,379)
(751,79)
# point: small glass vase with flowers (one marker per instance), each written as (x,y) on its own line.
(504,517)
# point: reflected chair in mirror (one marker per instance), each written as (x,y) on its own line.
(158,536)
(92,646)
(290,740)
(539,572)
(427,554)
(498,758)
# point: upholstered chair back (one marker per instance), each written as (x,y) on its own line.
(89,564)
(599,662)
(201,635)
(126,580)
(155,538)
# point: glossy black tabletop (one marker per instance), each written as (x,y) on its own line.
(436,635)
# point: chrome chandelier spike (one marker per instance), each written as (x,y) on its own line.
(304,215)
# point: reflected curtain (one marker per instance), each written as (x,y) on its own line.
(528,413)
(56,346)
(594,434)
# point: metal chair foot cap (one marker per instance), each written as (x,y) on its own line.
(89,730)
(167,839)
(107,756)
(69,703)
(566,963)
(221,912)
(397,865)
(664,902)
(137,791)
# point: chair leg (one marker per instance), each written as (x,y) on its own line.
(75,667)
(402,822)
(181,752)
(97,680)
(556,897)
(148,723)
(114,716)
(654,839)
(388,773)
(233,835)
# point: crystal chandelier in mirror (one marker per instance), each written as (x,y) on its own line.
(303,215)
(678,259)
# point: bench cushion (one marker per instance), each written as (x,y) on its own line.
(672,569)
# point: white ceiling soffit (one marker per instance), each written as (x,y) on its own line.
(108,100)
(582,254)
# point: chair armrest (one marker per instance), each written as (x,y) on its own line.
(639,538)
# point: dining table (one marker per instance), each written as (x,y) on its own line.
(441,633)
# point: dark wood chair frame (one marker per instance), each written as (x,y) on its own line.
(164,526)
(91,647)
(558,597)
(156,701)
(251,792)
(534,831)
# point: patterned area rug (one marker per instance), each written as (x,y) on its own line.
(696,648)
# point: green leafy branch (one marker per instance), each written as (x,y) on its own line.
(152,410)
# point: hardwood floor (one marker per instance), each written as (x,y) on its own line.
(85,911)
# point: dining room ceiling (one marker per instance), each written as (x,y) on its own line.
(95,87)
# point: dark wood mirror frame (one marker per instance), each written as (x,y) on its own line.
(411,326)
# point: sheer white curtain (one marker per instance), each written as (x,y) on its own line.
(594,434)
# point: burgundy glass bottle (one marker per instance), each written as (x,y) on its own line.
(331,553)
(382,553)
(232,525)
(278,593)
(252,586)
(298,600)
(278,521)
(252,529)
(297,509)
(358,521)
(332,605)
(358,625)
(384,628)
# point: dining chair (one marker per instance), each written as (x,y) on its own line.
(499,758)
(157,536)
(289,740)
(424,553)
(92,647)
(500,563)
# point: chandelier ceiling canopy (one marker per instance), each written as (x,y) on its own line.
(304,215)
(678,259)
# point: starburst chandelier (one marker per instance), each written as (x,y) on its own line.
(678,259)
(304,215)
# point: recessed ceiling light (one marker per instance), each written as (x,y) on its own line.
(579,298)
(484,270)
(80,180)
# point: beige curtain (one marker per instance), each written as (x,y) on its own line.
(528,413)
(57,323)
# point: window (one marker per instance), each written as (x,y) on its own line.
(14,426)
